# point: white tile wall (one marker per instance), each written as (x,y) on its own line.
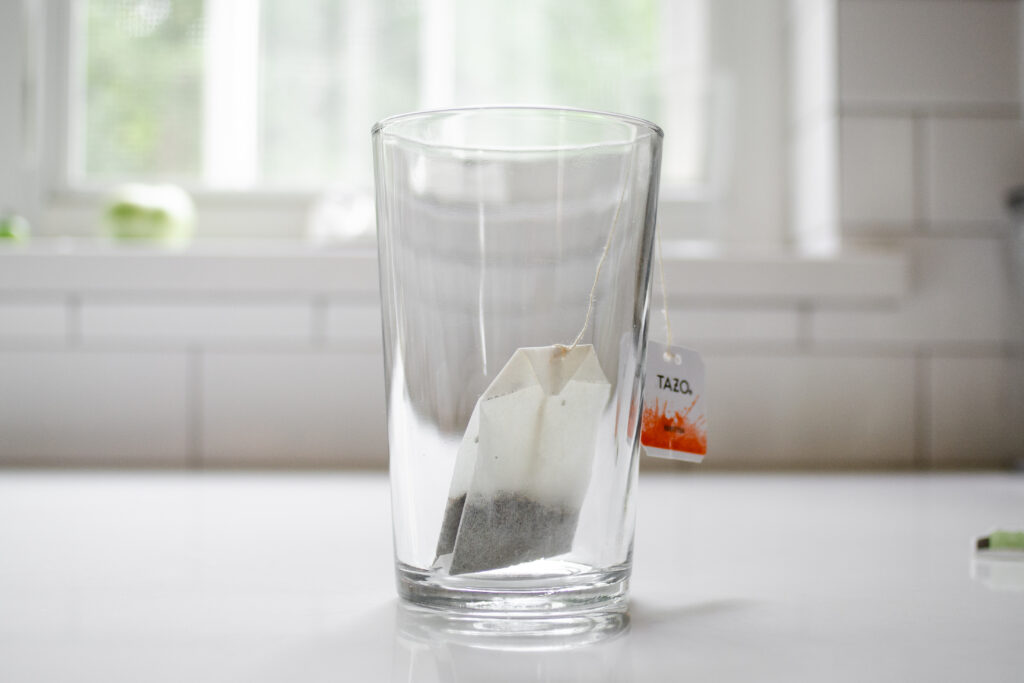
(283,409)
(959,294)
(975,415)
(877,172)
(359,322)
(929,102)
(914,54)
(701,325)
(67,407)
(202,320)
(33,320)
(816,411)
(971,165)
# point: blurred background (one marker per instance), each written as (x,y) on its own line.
(187,263)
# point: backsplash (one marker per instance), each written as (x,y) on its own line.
(930,139)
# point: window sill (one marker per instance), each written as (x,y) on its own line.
(51,266)
(229,267)
(783,274)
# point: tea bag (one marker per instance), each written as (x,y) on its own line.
(524,462)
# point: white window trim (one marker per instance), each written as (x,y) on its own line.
(230,92)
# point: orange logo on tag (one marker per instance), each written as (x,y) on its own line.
(676,432)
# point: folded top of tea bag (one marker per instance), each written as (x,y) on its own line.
(524,463)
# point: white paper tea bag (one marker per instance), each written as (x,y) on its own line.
(524,462)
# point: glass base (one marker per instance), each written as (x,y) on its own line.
(566,593)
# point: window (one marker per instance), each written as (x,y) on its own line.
(274,94)
(258,106)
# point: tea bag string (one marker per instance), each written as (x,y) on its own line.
(604,252)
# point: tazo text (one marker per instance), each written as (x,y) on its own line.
(680,386)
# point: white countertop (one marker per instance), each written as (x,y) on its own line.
(287,577)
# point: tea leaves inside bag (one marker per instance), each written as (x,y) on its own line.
(524,462)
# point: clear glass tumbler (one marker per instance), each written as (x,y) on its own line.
(515,259)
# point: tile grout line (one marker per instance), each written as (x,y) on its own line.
(194,409)
(73,320)
(922,410)
(805,326)
(874,231)
(318,320)
(949,110)
(919,165)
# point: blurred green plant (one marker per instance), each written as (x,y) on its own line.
(159,214)
(143,89)
(14,228)
(329,68)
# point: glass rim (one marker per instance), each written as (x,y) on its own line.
(635,121)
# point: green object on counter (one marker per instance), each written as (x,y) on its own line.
(14,228)
(162,214)
(1002,540)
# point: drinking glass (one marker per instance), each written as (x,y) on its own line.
(500,229)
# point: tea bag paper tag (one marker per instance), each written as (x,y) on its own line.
(674,419)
